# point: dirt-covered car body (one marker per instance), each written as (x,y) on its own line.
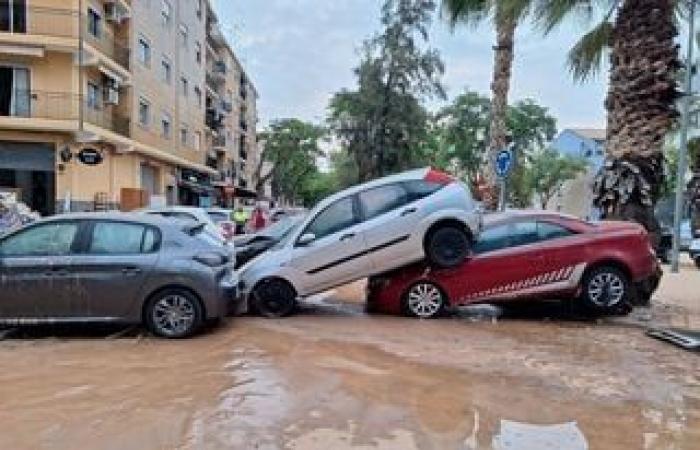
(527,255)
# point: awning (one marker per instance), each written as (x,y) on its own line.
(244,193)
(197,188)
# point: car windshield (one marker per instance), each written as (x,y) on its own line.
(293,224)
(280,229)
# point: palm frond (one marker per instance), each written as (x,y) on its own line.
(586,57)
(515,9)
(470,12)
(551,13)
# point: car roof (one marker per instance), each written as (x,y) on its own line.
(533,214)
(416,174)
(111,216)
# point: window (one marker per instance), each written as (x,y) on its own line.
(166,125)
(114,238)
(166,70)
(144,112)
(548,230)
(378,201)
(197,140)
(336,217)
(42,240)
(419,189)
(185,86)
(144,52)
(93,95)
(166,13)
(184,136)
(198,52)
(198,96)
(183,35)
(94,23)
(507,235)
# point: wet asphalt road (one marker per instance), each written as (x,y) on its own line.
(332,377)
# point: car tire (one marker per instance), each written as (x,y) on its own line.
(274,298)
(424,300)
(606,290)
(174,314)
(447,247)
(697,262)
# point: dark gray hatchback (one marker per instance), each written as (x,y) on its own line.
(113,267)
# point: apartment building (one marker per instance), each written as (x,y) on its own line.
(105,104)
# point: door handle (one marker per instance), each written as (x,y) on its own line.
(408,211)
(347,237)
(130,271)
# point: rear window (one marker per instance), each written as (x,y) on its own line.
(418,189)
(115,238)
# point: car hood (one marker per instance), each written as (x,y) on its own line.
(274,257)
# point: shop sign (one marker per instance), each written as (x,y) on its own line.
(90,156)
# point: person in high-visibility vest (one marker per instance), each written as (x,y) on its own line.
(240,218)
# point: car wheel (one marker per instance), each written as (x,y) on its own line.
(606,290)
(174,314)
(424,300)
(274,298)
(447,247)
(697,262)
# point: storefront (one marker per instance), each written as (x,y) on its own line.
(195,189)
(28,169)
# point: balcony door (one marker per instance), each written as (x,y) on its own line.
(13,16)
(15,91)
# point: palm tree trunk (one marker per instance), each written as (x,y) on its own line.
(500,85)
(641,110)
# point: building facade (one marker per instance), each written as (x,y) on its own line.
(576,196)
(109,104)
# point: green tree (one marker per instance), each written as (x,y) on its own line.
(505,15)
(547,171)
(291,148)
(383,121)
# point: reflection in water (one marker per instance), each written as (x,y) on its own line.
(525,436)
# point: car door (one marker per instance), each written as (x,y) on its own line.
(337,254)
(112,269)
(389,221)
(504,264)
(34,271)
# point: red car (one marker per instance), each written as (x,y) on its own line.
(608,266)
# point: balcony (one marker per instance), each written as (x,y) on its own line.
(243,154)
(40,21)
(213,119)
(63,106)
(219,143)
(108,44)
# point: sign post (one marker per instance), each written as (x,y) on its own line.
(503,165)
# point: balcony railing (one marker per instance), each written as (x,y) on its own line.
(219,141)
(63,22)
(57,22)
(62,106)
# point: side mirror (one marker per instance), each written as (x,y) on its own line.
(306,239)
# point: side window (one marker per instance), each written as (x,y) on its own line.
(418,189)
(42,240)
(336,217)
(548,230)
(378,201)
(115,238)
(507,235)
(494,238)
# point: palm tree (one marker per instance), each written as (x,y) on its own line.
(639,35)
(505,15)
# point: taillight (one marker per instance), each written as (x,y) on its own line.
(436,176)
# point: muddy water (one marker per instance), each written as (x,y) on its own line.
(334,378)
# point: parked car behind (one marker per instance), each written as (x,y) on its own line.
(249,246)
(187,213)
(607,266)
(364,230)
(113,267)
(222,219)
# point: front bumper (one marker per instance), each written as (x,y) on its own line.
(229,295)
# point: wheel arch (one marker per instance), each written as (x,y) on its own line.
(161,289)
(609,262)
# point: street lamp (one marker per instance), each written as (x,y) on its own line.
(683,151)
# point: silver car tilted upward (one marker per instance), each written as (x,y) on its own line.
(111,267)
(362,231)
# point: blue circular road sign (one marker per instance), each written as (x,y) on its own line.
(504,163)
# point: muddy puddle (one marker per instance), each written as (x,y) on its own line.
(335,378)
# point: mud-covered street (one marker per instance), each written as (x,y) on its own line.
(332,377)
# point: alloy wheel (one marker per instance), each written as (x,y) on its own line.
(424,300)
(606,289)
(174,315)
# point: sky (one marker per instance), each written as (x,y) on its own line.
(300,52)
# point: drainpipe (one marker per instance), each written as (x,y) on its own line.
(80,66)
